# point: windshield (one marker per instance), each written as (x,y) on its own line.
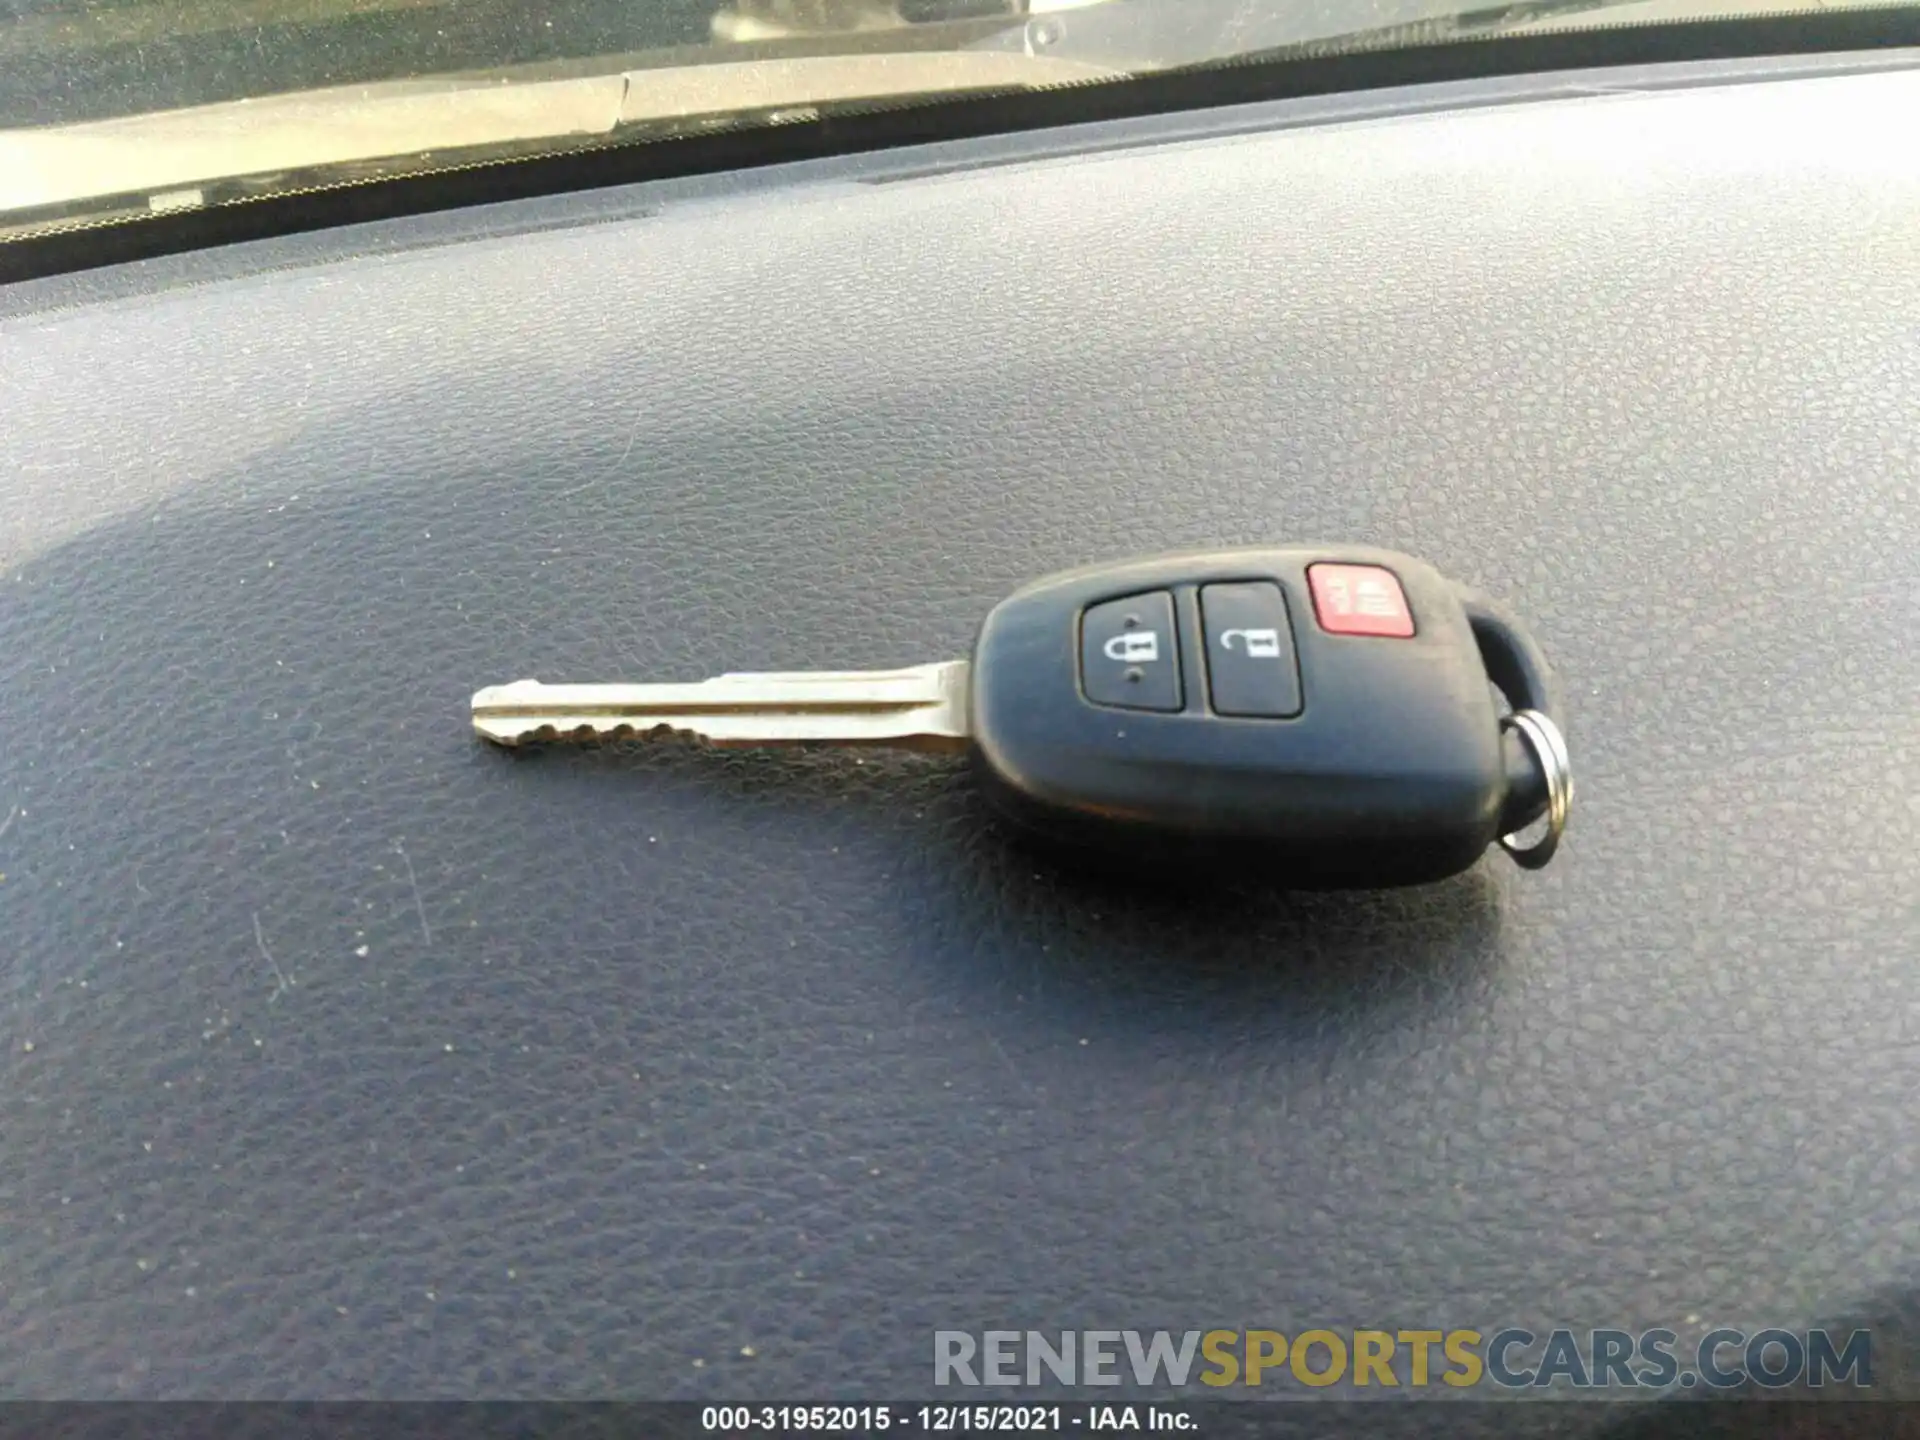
(114,111)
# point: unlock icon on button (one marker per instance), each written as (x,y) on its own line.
(1135,647)
(1260,644)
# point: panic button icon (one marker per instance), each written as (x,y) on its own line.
(1359,600)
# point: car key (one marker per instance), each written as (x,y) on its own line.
(1324,715)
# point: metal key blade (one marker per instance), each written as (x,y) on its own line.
(923,708)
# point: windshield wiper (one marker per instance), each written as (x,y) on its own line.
(1175,36)
(1436,29)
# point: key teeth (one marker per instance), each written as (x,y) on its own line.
(653,734)
(601,734)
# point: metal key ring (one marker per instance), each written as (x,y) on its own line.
(1550,753)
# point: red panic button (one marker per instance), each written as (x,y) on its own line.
(1359,600)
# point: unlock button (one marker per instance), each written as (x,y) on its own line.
(1250,661)
(1127,653)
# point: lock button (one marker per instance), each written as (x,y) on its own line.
(1251,669)
(1128,655)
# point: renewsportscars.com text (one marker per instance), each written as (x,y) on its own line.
(1508,1359)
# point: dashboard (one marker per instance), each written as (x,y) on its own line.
(346,1056)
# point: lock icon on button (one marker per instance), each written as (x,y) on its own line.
(1135,647)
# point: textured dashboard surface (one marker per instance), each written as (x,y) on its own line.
(345,1056)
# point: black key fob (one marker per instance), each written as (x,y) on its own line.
(1324,716)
